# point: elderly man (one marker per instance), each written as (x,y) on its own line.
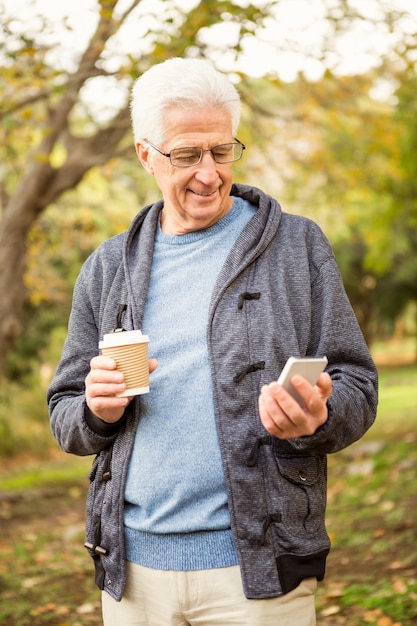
(207,497)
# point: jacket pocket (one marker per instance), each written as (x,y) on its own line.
(303,501)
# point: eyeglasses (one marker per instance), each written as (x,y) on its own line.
(187,157)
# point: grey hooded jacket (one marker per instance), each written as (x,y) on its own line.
(278,294)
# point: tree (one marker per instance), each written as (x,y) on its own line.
(354,157)
(49,141)
(48,151)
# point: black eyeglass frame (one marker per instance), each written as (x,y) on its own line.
(236,142)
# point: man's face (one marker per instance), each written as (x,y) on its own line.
(195,197)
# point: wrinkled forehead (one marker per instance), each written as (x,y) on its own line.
(197,126)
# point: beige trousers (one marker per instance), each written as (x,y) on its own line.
(203,598)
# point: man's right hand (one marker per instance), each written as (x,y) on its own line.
(102,384)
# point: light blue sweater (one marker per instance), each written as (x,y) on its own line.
(176,514)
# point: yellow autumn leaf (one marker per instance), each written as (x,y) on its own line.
(399,586)
(385,621)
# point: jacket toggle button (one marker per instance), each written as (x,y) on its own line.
(302,476)
(96,549)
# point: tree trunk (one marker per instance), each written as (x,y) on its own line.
(12,265)
(17,219)
(39,187)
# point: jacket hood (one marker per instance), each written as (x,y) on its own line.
(264,223)
(138,251)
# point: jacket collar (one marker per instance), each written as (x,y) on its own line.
(253,240)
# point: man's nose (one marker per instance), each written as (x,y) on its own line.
(207,168)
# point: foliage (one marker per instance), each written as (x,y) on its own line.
(327,147)
(59,242)
(355,158)
(50,138)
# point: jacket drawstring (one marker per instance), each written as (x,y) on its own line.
(120,314)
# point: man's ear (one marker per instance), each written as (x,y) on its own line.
(143,152)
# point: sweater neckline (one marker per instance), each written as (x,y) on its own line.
(198,235)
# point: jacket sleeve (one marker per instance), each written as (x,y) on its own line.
(335,333)
(73,425)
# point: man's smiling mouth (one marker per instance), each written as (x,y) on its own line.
(204,195)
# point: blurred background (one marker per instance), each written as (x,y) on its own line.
(330,124)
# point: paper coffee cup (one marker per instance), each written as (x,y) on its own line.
(129,348)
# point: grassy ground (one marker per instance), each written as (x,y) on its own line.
(372,569)
(46,577)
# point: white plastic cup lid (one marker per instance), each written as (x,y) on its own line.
(123,338)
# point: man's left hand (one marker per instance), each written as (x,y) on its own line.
(284,418)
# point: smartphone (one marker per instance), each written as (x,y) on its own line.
(309,368)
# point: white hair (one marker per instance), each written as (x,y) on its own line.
(186,83)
